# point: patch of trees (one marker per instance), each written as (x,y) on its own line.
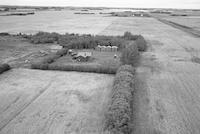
(86,41)
(118,115)
(129,44)
(130,55)
(4,34)
(4,67)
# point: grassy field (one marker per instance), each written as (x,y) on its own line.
(167,78)
(190,21)
(20,53)
(52,21)
(53,102)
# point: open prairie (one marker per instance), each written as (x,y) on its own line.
(55,21)
(167,99)
(33,102)
(189,21)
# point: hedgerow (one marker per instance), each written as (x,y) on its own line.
(126,68)
(86,41)
(130,55)
(77,67)
(44,37)
(118,115)
(4,67)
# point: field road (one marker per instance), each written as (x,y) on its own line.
(53,102)
(167,98)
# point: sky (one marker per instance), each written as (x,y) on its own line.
(195,4)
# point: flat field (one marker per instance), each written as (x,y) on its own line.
(190,21)
(166,99)
(33,102)
(167,96)
(55,21)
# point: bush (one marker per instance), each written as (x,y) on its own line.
(4,67)
(130,55)
(130,36)
(118,116)
(4,34)
(141,43)
(44,37)
(126,68)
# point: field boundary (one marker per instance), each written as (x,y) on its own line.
(120,111)
(181,27)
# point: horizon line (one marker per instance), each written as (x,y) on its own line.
(103,7)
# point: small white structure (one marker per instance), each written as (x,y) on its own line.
(114,48)
(109,48)
(103,48)
(106,48)
(55,48)
(84,54)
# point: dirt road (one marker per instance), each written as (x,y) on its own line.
(49,102)
(167,99)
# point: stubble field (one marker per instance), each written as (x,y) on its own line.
(53,102)
(168,79)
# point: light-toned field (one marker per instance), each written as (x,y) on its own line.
(190,21)
(167,96)
(33,102)
(55,21)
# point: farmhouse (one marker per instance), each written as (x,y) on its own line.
(83,56)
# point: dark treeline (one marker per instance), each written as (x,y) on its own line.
(85,41)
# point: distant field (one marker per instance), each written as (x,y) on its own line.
(55,21)
(98,58)
(191,21)
(33,101)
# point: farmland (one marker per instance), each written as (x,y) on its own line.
(49,102)
(189,21)
(168,80)
(165,97)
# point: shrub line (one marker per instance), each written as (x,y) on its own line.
(119,113)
